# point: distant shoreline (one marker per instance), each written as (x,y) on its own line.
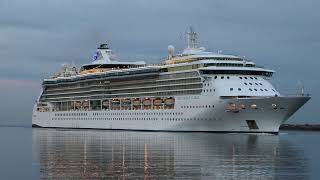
(304,127)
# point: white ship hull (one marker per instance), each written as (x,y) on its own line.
(217,118)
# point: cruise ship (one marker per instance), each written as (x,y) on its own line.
(196,90)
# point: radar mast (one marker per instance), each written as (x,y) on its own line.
(192,38)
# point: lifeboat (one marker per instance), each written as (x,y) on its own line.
(147,102)
(136,102)
(231,107)
(126,102)
(157,102)
(169,101)
(85,104)
(115,102)
(105,103)
(78,104)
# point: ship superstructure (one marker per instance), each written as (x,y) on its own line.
(193,91)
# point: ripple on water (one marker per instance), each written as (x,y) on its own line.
(91,154)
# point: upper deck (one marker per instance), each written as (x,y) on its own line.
(106,65)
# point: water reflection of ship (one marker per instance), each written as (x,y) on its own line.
(153,155)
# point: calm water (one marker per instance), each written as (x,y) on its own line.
(95,154)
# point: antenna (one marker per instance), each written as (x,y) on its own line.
(302,87)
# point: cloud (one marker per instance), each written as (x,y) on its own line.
(37,36)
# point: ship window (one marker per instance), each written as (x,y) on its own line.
(256,83)
(240,77)
(245,83)
(239,89)
(215,77)
(256,78)
(260,84)
(255,89)
(231,89)
(250,89)
(228,77)
(251,77)
(245,78)
(266,89)
(222,77)
(250,83)
(261,89)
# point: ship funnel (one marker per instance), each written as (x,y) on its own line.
(103,55)
(170,51)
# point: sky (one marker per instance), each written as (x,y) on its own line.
(37,36)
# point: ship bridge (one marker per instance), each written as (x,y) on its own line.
(194,53)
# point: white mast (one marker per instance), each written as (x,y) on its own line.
(192,38)
(192,48)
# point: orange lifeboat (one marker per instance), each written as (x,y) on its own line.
(115,102)
(85,103)
(231,107)
(105,104)
(147,102)
(78,104)
(136,102)
(126,102)
(157,102)
(169,101)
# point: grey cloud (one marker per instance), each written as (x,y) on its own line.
(37,35)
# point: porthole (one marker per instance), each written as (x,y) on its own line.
(231,89)
(245,83)
(250,83)
(245,78)
(228,77)
(255,89)
(215,77)
(251,77)
(239,89)
(256,83)
(240,77)
(260,84)
(250,89)
(222,77)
